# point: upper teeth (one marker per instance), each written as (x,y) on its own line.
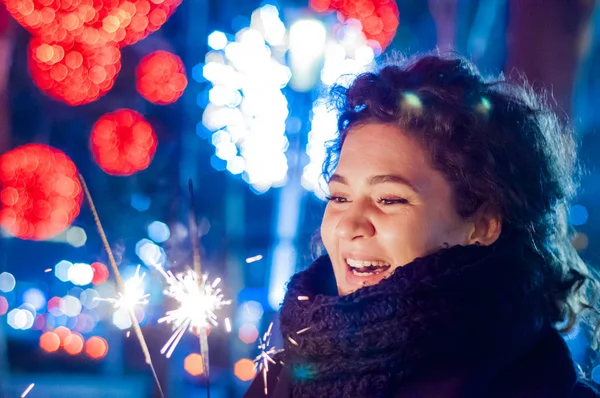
(361,264)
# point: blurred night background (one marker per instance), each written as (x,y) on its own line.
(144,95)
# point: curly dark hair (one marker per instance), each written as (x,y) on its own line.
(498,144)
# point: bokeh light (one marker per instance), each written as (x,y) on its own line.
(74,345)
(92,22)
(247,109)
(244,369)
(347,55)
(158,231)
(49,341)
(96,347)
(39,190)
(35,297)
(379,18)
(161,77)
(193,364)
(61,270)
(3,305)
(81,274)
(100,273)
(217,40)
(578,215)
(64,334)
(248,333)
(123,142)
(76,236)
(73,73)
(7,282)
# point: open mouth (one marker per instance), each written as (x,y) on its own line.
(366,268)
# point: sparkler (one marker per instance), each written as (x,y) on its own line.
(198,300)
(261,362)
(133,295)
(121,286)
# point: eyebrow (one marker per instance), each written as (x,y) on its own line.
(378,179)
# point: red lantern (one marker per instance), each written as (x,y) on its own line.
(40,193)
(161,77)
(123,142)
(75,74)
(379,18)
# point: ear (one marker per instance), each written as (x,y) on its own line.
(486,225)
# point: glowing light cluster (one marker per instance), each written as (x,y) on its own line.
(345,57)
(68,55)
(73,73)
(161,77)
(39,190)
(73,343)
(92,22)
(379,18)
(247,109)
(123,142)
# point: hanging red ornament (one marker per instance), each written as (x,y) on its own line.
(161,77)
(75,74)
(123,142)
(40,194)
(379,18)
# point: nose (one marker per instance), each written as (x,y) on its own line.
(354,224)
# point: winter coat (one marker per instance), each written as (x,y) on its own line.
(466,321)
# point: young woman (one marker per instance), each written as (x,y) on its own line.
(449,266)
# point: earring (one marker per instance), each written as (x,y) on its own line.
(477,243)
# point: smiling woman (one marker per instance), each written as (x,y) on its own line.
(449,267)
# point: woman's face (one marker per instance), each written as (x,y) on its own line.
(388,206)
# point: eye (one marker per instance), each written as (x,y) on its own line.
(392,201)
(337,199)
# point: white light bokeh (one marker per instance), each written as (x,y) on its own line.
(247,109)
(159,231)
(7,282)
(217,40)
(61,270)
(81,274)
(345,57)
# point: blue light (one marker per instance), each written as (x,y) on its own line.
(159,232)
(140,202)
(578,215)
(35,297)
(150,253)
(217,40)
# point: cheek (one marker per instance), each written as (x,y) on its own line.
(327,230)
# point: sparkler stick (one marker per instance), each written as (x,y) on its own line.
(203,334)
(120,284)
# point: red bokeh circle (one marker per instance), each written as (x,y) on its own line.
(100,273)
(93,22)
(379,18)
(75,74)
(123,142)
(40,193)
(161,77)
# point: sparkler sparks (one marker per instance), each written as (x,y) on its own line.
(261,362)
(133,295)
(198,301)
(27,390)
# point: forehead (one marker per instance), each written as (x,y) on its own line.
(375,148)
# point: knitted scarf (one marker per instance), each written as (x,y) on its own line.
(471,308)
